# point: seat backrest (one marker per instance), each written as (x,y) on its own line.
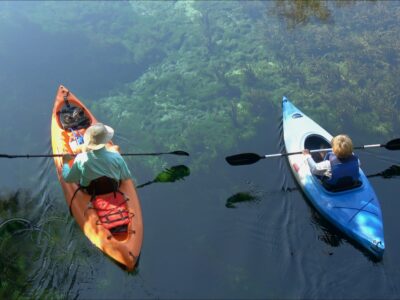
(102,185)
(343,184)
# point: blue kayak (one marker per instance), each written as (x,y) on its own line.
(354,210)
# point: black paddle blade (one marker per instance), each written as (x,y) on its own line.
(179,152)
(243,159)
(393,145)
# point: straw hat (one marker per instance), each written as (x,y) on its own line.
(97,136)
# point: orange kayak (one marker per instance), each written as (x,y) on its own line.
(124,247)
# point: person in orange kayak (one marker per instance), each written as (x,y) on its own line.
(340,167)
(97,160)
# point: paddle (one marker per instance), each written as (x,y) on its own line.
(178,152)
(251,158)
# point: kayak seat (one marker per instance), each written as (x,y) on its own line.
(343,184)
(119,229)
(102,185)
(110,204)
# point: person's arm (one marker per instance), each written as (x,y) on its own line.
(70,174)
(322,168)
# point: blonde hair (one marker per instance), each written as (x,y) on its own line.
(342,146)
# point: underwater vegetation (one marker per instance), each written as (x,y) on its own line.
(205,73)
(16,232)
(28,239)
(229,64)
(11,266)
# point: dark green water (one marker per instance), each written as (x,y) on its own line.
(207,78)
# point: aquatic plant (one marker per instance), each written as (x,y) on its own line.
(15,258)
(28,239)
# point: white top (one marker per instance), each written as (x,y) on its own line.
(322,168)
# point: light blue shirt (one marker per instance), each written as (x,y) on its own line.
(94,164)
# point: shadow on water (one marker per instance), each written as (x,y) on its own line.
(250,197)
(330,234)
(334,237)
(392,171)
(171,174)
(241,197)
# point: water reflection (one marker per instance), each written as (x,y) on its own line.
(255,195)
(172,174)
(392,171)
(333,237)
(330,235)
(240,198)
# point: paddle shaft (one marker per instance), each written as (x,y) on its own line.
(297,152)
(322,150)
(251,158)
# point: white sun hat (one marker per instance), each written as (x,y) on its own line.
(97,136)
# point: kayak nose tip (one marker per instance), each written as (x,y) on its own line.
(284,99)
(378,247)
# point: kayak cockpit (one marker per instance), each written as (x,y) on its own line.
(313,142)
(73,118)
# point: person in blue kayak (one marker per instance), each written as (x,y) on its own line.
(97,160)
(340,167)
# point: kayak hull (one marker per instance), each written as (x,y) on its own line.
(356,212)
(123,248)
